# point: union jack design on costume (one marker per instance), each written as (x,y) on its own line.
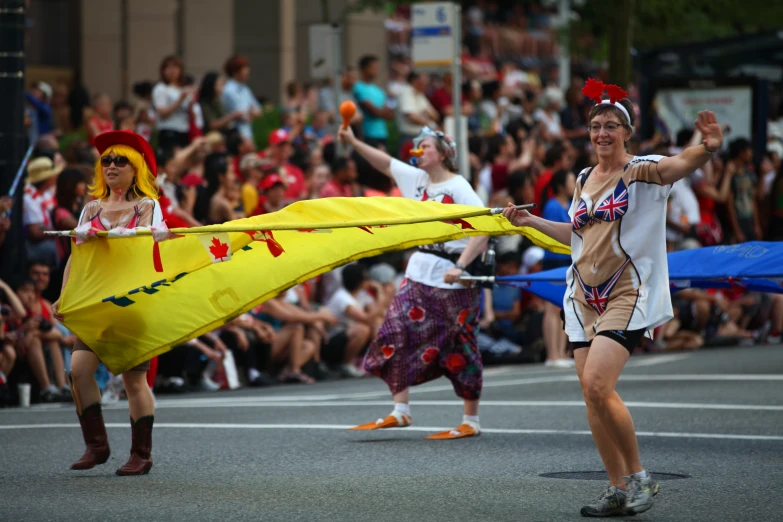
(615,206)
(580,215)
(598,296)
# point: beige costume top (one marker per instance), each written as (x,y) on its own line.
(146,212)
(619,277)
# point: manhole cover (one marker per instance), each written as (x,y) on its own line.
(601,475)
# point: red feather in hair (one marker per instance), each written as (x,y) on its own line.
(593,89)
(615,93)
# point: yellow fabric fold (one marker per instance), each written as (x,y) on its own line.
(129,308)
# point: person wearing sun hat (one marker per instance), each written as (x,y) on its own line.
(126,195)
(39,200)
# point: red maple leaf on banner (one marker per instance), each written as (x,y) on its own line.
(464,224)
(219,250)
(267,237)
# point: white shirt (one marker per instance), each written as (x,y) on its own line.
(684,209)
(552,123)
(415,184)
(412,102)
(163,96)
(37,207)
(339,303)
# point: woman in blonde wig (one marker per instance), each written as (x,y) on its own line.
(125,193)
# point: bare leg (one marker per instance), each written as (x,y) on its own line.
(58,366)
(8,360)
(604,362)
(140,401)
(776,313)
(358,335)
(281,346)
(402,397)
(562,343)
(300,358)
(36,361)
(471,407)
(314,337)
(607,447)
(83,366)
(552,326)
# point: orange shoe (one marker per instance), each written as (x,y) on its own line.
(466,429)
(396,419)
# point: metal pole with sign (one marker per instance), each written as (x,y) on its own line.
(336,83)
(436,46)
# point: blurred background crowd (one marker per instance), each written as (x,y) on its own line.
(227,151)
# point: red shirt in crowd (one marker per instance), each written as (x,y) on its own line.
(542,184)
(102,126)
(499,176)
(335,189)
(297,187)
(441,99)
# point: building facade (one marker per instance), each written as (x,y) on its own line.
(108,45)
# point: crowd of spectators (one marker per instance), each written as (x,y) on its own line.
(527,142)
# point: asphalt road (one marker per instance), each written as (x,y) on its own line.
(283,453)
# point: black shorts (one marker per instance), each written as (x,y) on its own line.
(629,339)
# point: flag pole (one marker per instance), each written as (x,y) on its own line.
(213,229)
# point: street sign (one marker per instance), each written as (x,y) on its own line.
(321,51)
(432,34)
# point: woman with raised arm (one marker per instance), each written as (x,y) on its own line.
(126,195)
(618,282)
(430,327)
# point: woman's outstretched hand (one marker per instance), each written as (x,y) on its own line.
(346,135)
(518,218)
(710,130)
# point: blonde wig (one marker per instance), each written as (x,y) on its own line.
(143,184)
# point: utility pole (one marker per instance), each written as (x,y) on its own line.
(620,39)
(12,132)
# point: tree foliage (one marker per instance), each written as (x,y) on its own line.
(659,23)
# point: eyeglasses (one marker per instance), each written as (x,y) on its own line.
(120,161)
(610,127)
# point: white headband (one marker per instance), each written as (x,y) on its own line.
(619,106)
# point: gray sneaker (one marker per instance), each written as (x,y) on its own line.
(610,504)
(640,493)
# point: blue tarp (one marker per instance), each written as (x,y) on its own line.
(755,266)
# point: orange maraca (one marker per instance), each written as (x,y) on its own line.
(347,111)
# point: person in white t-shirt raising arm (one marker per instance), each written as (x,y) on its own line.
(430,328)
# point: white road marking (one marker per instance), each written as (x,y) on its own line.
(623,378)
(426,388)
(210,403)
(164,425)
(654,360)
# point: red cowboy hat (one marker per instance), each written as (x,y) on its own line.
(132,140)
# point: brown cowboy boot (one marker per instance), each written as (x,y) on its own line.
(94,432)
(140,460)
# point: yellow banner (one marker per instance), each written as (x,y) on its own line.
(129,304)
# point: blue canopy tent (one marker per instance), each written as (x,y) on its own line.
(755,266)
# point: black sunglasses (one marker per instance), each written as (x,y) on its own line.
(120,161)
